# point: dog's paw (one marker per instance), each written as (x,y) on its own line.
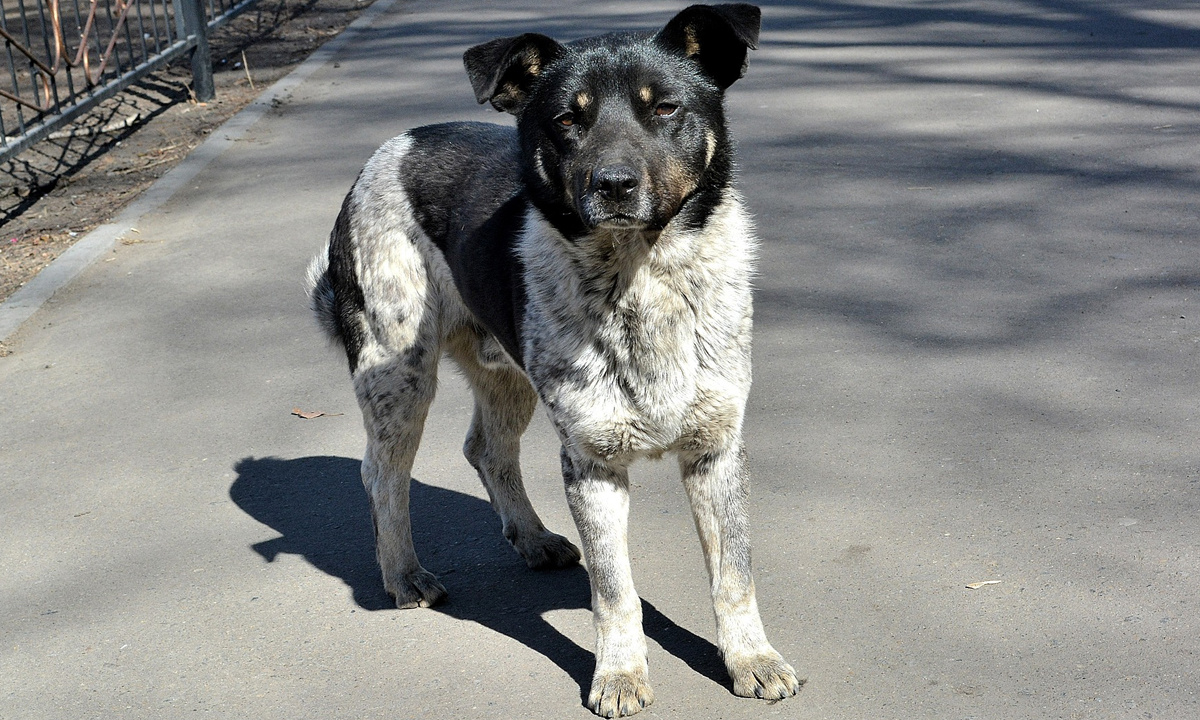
(617,694)
(547,551)
(416,589)
(763,675)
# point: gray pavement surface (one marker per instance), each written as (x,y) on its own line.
(977,354)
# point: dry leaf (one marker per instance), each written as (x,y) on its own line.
(310,415)
(981,583)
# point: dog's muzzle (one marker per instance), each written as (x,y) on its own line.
(614,196)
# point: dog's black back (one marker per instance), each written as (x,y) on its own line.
(466,192)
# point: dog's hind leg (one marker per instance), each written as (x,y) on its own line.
(504,404)
(384,291)
(717,483)
(395,395)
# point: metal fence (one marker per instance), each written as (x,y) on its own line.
(65,56)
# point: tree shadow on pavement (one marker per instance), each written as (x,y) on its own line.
(320,509)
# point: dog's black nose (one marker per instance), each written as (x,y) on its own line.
(615,182)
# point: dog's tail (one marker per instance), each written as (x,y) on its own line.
(321,298)
(333,290)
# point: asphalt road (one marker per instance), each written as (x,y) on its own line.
(977,354)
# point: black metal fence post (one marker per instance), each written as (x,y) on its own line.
(195,23)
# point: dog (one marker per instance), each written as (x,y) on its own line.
(595,257)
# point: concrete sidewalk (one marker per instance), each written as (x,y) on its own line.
(977,355)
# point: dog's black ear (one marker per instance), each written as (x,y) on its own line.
(716,36)
(503,70)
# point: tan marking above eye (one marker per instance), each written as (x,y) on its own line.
(646,94)
(583,100)
(691,45)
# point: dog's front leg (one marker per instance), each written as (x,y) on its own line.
(717,483)
(599,499)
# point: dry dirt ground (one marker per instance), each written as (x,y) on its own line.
(58,190)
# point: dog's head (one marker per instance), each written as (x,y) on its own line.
(624,131)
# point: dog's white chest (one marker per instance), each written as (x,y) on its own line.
(618,377)
(637,354)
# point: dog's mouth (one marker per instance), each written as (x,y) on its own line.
(623,229)
(598,214)
(620,222)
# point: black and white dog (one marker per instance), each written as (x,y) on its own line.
(596,257)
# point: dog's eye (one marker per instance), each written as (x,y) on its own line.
(567,119)
(666,110)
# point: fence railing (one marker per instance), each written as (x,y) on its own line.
(62,57)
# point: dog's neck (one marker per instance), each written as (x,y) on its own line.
(605,263)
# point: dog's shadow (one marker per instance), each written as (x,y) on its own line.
(319,508)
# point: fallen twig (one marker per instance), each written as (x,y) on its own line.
(246,67)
